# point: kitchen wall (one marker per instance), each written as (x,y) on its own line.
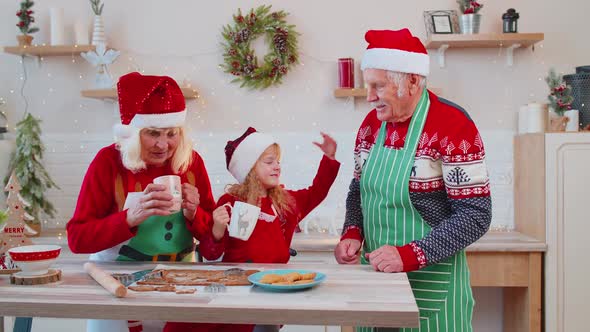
(181,39)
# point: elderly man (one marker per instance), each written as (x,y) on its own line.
(420,193)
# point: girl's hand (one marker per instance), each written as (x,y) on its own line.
(220,222)
(328,146)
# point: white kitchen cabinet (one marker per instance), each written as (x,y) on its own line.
(552,200)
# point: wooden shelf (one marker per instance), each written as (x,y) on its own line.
(48,50)
(362,92)
(483,40)
(510,41)
(189,93)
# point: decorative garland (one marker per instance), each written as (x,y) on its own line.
(239,58)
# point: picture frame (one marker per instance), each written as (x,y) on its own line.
(442,24)
(444,19)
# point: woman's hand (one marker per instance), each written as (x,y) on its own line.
(190,200)
(328,146)
(155,201)
(220,222)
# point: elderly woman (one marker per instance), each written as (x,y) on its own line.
(121,214)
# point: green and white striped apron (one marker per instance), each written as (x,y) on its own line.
(442,291)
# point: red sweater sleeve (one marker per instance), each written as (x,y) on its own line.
(209,247)
(307,199)
(203,220)
(96,216)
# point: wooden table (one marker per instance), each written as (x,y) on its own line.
(510,260)
(351,295)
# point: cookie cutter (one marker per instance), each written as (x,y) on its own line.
(215,287)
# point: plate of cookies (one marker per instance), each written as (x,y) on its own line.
(286,279)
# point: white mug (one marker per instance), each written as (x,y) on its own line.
(243,220)
(174,187)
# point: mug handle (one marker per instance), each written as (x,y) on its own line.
(231,208)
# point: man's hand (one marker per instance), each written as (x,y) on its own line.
(385,259)
(190,200)
(220,222)
(347,251)
(155,201)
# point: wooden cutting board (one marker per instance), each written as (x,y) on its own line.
(49,277)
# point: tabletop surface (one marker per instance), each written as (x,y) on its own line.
(350,295)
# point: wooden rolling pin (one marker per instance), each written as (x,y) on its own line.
(105,280)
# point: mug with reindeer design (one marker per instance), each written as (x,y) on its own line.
(243,220)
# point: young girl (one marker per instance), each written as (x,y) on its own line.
(254,160)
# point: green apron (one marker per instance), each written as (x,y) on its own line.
(159,238)
(442,291)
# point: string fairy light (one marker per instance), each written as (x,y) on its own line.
(169,62)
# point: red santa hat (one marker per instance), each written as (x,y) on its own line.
(149,101)
(396,51)
(242,153)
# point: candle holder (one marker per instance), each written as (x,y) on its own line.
(510,21)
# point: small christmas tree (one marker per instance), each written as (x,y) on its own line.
(13,232)
(25,18)
(560,94)
(26,163)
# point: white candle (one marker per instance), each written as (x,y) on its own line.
(81,32)
(536,118)
(57,26)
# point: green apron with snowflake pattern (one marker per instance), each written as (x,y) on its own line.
(442,291)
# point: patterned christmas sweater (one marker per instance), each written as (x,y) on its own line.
(100,222)
(448,185)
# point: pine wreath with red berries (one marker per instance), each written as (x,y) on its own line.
(239,58)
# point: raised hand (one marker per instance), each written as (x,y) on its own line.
(328,146)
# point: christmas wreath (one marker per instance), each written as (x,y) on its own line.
(239,58)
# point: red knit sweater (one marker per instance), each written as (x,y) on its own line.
(270,241)
(99,221)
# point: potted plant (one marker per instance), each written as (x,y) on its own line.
(560,103)
(98,36)
(470,20)
(25,18)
